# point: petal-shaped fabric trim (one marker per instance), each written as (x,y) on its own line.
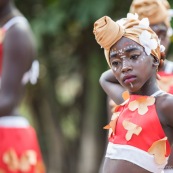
(23,163)
(142,109)
(133,105)
(10,158)
(126,95)
(112,125)
(28,159)
(150,101)
(40,168)
(141,104)
(131,129)
(158,149)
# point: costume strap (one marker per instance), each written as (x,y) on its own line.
(157,93)
(14,20)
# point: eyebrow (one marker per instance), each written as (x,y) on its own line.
(114,54)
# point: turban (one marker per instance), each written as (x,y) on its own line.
(107,32)
(156,11)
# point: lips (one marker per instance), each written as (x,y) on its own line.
(129,78)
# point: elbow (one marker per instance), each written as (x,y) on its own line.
(102,80)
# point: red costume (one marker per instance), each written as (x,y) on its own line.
(136,134)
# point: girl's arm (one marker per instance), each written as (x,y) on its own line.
(111,86)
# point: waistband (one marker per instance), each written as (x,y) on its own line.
(14,122)
(134,155)
(168,171)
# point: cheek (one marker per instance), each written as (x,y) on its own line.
(114,69)
(142,60)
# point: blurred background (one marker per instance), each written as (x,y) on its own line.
(67,106)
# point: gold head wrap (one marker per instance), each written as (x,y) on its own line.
(107,32)
(156,11)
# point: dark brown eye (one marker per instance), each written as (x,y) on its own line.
(115,63)
(134,57)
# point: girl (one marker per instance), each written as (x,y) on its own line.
(140,129)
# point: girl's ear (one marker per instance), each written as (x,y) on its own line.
(155,62)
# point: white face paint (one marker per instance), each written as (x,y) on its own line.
(120,52)
(131,85)
(124,65)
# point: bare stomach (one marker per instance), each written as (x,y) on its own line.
(121,166)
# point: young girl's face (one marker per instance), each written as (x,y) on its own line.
(130,64)
(161,30)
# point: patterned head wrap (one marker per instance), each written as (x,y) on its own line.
(156,11)
(107,32)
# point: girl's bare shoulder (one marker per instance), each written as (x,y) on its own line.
(164,107)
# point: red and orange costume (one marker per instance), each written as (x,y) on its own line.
(136,135)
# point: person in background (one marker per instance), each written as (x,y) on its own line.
(159,14)
(19,147)
(140,130)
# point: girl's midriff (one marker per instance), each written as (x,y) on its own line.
(121,166)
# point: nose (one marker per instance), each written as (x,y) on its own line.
(126,66)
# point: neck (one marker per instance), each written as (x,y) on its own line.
(7,12)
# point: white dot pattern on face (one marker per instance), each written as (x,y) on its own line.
(120,52)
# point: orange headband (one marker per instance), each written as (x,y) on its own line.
(107,32)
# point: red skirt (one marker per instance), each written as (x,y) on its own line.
(19,151)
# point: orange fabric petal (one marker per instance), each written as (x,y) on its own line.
(107,127)
(131,129)
(158,149)
(110,132)
(40,168)
(126,95)
(150,101)
(133,105)
(116,108)
(142,109)
(10,158)
(112,125)
(141,104)
(28,158)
